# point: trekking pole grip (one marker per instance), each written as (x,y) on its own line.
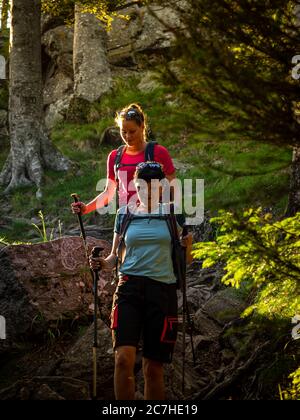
(75,197)
(96,251)
(76,200)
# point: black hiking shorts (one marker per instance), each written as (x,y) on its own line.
(145,309)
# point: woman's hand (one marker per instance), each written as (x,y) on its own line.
(78,208)
(100,263)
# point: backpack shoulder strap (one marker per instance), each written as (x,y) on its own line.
(125,223)
(118,159)
(149,151)
(172,224)
(124,227)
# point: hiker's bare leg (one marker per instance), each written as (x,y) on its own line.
(124,373)
(154,380)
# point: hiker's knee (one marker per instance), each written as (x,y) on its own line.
(152,370)
(125,358)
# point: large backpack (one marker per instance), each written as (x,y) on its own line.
(178,251)
(149,156)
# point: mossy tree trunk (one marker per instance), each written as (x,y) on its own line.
(4,14)
(31,149)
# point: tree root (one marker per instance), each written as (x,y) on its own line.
(232,374)
(27,168)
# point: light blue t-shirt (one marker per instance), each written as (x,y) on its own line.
(148,246)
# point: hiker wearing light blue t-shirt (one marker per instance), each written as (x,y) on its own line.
(145,301)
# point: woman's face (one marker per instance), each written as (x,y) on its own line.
(148,192)
(131,132)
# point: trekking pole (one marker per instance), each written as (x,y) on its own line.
(185,314)
(190,324)
(184,233)
(95,278)
(189,321)
(95,254)
(83,235)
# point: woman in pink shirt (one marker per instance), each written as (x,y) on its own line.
(132,122)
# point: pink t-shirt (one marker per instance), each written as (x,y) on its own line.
(126,173)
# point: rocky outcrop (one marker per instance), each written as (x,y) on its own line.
(58,47)
(92,75)
(81,62)
(225,306)
(46,283)
(142,33)
(57,111)
(58,72)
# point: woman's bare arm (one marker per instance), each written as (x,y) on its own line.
(99,202)
(102,199)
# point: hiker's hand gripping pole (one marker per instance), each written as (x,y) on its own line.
(76,200)
(95,254)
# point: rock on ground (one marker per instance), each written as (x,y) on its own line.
(46,283)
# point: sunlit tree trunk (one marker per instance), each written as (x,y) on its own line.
(31,150)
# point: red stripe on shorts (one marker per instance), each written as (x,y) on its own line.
(114,318)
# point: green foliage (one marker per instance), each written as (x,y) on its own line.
(6,242)
(4,45)
(3,241)
(262,253)
(234,60)
(237,173)
(4,96)
(104,10)
(293,391)
(43,231)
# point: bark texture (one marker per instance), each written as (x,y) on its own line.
(31,149)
